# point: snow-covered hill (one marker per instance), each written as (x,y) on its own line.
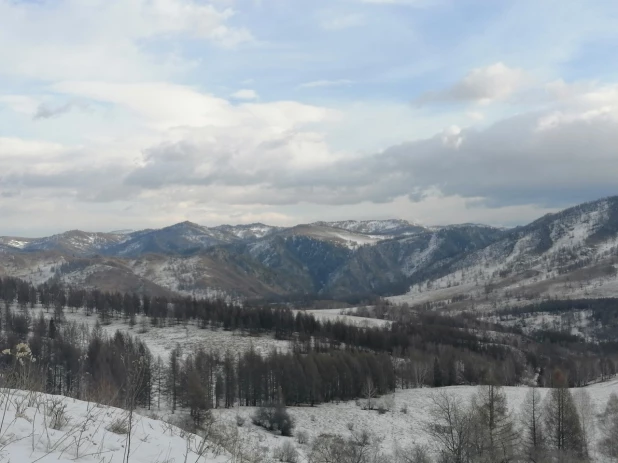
(45,428)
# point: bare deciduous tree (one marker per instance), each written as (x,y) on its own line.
(494,433)
(609,428)
(369,393)
(533,438)
(450,427)
(562,423)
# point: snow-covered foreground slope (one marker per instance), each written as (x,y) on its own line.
(34,431)
(400,428)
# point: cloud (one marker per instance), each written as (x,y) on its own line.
(270,154)
(343,22)
(475,115)
(415,3)
(115,39)
(22,104)
(481,85)
(326,83)
(245,94)
(511,163)
(47,111)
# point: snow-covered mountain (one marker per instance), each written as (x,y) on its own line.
(571,253)
(249,232)
(74,241)
(177,239)
(392,227)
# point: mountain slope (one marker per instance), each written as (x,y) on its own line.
(177,239)
(571,253)
(392,227)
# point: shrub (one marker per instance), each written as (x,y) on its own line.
(56,411)
(286,453)
(274,417)
(415,454)
(119,426)
(358,448)
(302,437)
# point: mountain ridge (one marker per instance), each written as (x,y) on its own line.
(341,259)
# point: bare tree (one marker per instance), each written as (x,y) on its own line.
(369,393)
(533,438)
(136,369)
(450,428)
(587,416)
(609,428)
(414,454)
(494,433)
(562,424)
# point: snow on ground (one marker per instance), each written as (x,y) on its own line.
(396,428)
(517,274)
(353,240)
(86,435)
(161,341)
(340,314)
(38,272)
(578,322)
(179,275)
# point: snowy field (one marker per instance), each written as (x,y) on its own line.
(396,428)
(189,337)
(340,314)
(88,432)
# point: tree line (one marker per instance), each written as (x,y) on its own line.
(427,349)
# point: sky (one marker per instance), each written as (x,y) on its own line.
(130,114)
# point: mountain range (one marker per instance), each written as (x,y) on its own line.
(567,253)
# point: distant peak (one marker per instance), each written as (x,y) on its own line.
(121,232)
(187,224)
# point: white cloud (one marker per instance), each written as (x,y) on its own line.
(75,39)
(416,3)
(452,137)
(245,94)
(23,104)
(343,22)
(475,115)
(326,83)
(481,85)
